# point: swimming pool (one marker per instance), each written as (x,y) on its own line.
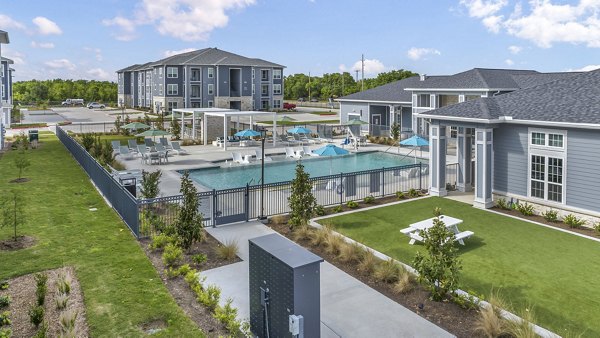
(235,176)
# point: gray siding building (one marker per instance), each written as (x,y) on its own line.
(5,88)
(202,79)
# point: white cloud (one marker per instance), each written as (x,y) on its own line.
(544,22)
(6,22)
(585,68)
(187,20)
(46,26)
(515,49)
(96,51)
(168,53)
(45,45)
(60,64)
(418,53)
(99,74)
(509,62)
(372,67)
(18,58)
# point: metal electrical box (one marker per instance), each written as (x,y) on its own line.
(284,281)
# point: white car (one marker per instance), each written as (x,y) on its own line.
(94,105)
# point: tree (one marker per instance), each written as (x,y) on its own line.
(107,157)
(176,129)
(12,211)
(188,226)
(439,269)
(150,184)
(22,163)
(302,202)
(395,131)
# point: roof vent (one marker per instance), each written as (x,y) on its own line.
(423,77)
(505,118)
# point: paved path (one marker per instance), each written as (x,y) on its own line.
(349,308)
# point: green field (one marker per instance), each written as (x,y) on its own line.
(555,272)
(120,287)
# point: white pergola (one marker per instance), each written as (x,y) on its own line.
(194,114)
(228,113)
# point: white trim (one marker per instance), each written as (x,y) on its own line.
(547,152)
(274,92)
(280,74)
(170,87)
(503,121)
(550,204)
(210,72)
(374,101)
(466,90)
(171,75)
(210,89)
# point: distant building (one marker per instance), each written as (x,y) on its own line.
(5,89)
(202,79)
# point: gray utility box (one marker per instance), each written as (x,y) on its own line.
(284,281)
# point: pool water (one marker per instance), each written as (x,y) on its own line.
(280,170)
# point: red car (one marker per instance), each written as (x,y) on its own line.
(289,106)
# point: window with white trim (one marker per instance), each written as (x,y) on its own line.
(172,72)
(253,73)
(171,105)
(160,71)
(264,90)
(276,104)
(264,75)
(172,89)
(547,157)
(253,89)
(276,74)
(211,72)
(160,89)
(210,89)
(210,104)
(423,100)
(276,89)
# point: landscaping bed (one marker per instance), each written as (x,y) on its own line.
(22,293)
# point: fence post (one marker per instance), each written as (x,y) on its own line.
(214,208)
(420,176)
(382,181)
(341,188)
(247,202)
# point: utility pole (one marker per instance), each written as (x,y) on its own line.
(362,80)
(309,87)
(342,84)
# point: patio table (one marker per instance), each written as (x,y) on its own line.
(450,222)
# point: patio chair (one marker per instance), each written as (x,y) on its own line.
(300,140)
(124,152)
(148,142)
(284,139)
(144,152)
(162,151)
(165,143)
(116,145)
(323,139)
(132,145)
(259,154)
(290,153)
(177,148)
(237,158)
(308,152)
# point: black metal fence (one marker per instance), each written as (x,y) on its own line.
(120,199)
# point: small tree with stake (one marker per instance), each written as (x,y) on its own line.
(22,163)
(395,131)
(302,202)
(188,225)
(439,269)
(150,184)
(12,211)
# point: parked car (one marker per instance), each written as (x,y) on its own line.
(96,105)
(301,99)
(289,106)
(314,99)
(72,102)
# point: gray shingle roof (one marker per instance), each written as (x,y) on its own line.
(214,56)
(126,69)
(9,61)
(573,99)
(528,80)
(392,92)
(476,78)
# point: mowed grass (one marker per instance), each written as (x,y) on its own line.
(556,273)
(120,287)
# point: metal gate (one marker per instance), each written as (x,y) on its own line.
(230,205)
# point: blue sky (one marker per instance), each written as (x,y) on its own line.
(91,39)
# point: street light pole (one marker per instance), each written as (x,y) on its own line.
(262,178)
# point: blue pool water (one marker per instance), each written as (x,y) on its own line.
(280,170)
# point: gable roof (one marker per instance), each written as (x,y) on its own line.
(571,99)
(4,37)
(7,60)
(126,69)
(391,92)
(476,78)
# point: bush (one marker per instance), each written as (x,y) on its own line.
(172,255)
(573,221)
(302,233)
(67,319)
(302,202)
(4,301)
(279,219)
(319,210)
(490,321)
(36,315)
(387,271)
(337,209)
(350,253)
(437,211)
(502,204)
(550,215)
(320,235)
(42,332)
(368,262)
(597,227)
(227,316)
(522,327)
(199,258)
(5,333)
(161,240)
(369,199)
(210,296)
(333,243)
(352,204)
(4,318)
(525,209)
(227,251)
(41,280)
(61,300)
(413,193)
(400,195)
(468,301)
(404,282)
(63,284)
(4,285)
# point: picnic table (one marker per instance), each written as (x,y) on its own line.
(413,231)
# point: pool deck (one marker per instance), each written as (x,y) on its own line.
(201,156)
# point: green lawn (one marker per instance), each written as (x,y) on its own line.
(120,287)
(556,272)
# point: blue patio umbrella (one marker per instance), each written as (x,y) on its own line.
(299,130)
(330,150)
(415,141)
(247,133)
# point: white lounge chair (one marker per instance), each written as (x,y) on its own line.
(290,153)
(177,148)
(164,153)
(308,152)
(237,158)
(259,155)
(132,146)
(116,145)
(165,143)
(144,153)
(124,152)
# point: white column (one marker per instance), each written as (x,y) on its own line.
(251,122)
(274,129)
(437,159)
(182,124)
(194,125)
(204,133)
(463,154)
(483,168)
(225,132)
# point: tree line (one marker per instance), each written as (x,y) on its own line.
(58,90)
(336,84)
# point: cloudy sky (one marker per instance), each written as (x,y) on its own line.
(93,38)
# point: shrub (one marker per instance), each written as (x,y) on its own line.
(4,285)
(4,318)
(437,211)
(525,209)
(279,219)
(41,280)
(320,235)
(61,300)
(597,227)
(387,271)
(502,204)
(400,195)
(550,215)
(490,321)
(199,258)
(302,202)
(161,240)
(369,199)
(350,252)
(333,243)
(67,319)
(522,327)
(189,225)
(42,332)
(63,283)
(337,209)
(210,296)
(319,210)
(573,221)
(352,204)
(302,233)
(36,315)
(4,301)
(227,251)
(466,301)
(413,192)
(150,184)
(404,282)
(368,262)
(227,316)
(5,333)
(172,255)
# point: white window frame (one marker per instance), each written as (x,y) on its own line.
(547,152)
(210,104)
(160,71)
(172,75)
(264,93)
(261,75)
(210,89)
(211,72)
(170,90)
(276,104)
(253,89)
(276,89)
(276,74)
(172,105)
(253,73)
(160,89)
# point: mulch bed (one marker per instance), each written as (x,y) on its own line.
(377,201)
(19,180)
(180,290)
(22,242)
(446,315)
(22,293)
(540,219)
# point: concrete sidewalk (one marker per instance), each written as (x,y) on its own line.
(349,308)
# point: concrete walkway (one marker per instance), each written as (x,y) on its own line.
(349,308)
